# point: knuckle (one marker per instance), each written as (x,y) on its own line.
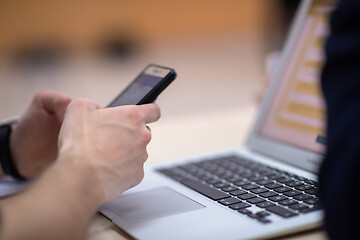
(65,99)
(146,137)
(145,157)
(140,176)
(39,95)
(157,111)
(84,103)
(134,115)
(137,178)
(81,102)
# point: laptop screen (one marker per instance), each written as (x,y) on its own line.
(296,114)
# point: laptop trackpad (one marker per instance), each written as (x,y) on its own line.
(151,204)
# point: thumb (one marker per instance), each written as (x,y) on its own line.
(52,102)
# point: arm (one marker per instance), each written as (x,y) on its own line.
(92,168)
(58,206)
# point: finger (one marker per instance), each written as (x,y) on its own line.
(151,112)
(53,102)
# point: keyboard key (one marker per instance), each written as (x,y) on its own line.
(278,198)
(225,175)
(246,196)
(245,174)
(250,186)
(312,201)
(242,182)
(264,182)
(265,204)
(288,202)
(238,192)
(234,179)
(282,189)
(238,206)
(275,176)
(284,180)
(201,175)
(311,209)
(268,194)
(229,189)
(229,201)
(313,191)
(213,181)
(281,211)
(255,200)
(292,193)
(221,185)
(206,178)
(205,190)
(262,214)
(273,185)
(294,183)
(302,197)
(311,182)
(259,190)
(304,187)
(244,211)
(252,215)
(298,206)
(256,178)
(264,220)
(190,167)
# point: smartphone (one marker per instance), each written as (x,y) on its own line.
(146,87)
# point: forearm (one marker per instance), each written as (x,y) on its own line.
(58,206)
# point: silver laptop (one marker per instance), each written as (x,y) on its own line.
(266,188)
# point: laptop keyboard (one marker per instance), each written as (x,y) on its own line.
(239,184)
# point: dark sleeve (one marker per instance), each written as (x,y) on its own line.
(340,171)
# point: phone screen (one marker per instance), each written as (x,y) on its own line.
(140,87)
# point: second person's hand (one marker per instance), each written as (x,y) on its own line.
(34,138)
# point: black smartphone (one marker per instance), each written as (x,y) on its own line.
(146,87)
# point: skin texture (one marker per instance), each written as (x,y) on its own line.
(98,155)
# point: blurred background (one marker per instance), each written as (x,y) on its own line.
(94,48)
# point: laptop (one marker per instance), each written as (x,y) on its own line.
(266,188)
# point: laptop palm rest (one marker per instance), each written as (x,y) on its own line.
(149,205)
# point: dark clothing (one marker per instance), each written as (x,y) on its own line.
(6,162)
(340,171)
(5,155)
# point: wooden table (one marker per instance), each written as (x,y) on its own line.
(195,134)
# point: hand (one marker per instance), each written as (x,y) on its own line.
(111,142)
(34,138)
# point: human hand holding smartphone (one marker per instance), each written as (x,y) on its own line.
(146,87)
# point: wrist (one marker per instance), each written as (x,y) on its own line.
(81,175)
(7,162)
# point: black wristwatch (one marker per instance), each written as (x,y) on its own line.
(6,160)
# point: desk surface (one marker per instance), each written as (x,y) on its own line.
(195,134)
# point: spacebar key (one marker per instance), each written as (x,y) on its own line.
(205,190)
